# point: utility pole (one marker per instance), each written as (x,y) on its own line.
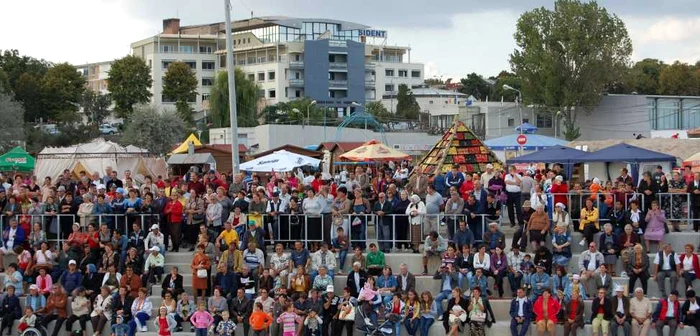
(231,88)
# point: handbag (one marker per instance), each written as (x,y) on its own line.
(201,273)
(357,221)
(477,316)
(294,220)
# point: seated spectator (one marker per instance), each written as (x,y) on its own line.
(322,280)
(478,309)
(621,311)
(132,282)
(101,310)
(12,236)
(43,258)
(434,245)
(322,257)
(640,312)
(561,246)
(153,268)
(480,280)
(481,260)
(109,258)
(232,259)
(254,258)
(121,245)
(216,305)
(499,269)
(141,310)
(356,279)
(154,239)
(266,281)
(455,316)
(241,308)
(449,280)
(28,320)
(133,260)
(299,283)
(14,278)
(121,305)
(561,281)
(111,279)
(608,246)
(64,256)
(247,281)
(515,273)
(573,314)
(601,313)
(690,310)
(386,285)
(575,286)
(666,316)
(588,223)
(56,309)
(280,260)
(539,283)
(666,265)
(494,238)
(463,236)
(357,256)
(11,309)
(638,267)
(184,310)
(225,280)
(520,313)
(546,309)
(450,256)
(604,280)
(626,242)
(36,237)
(690,265)
(589,262)
(34,300)
(375,260)
(92,281)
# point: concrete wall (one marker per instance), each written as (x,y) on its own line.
(615,117)
(271,136)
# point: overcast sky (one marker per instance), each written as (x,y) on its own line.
(451,37)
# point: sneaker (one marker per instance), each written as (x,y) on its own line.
(440,318)
(191,329)
(144,329)
(583,242)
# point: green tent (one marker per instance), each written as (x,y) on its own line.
(17,160)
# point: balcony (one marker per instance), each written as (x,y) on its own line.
(296,64)
(370,65)
(370,82)
(338,83)
(296,83)
(338,65)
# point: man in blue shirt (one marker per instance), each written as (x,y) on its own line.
(454,178)
(300,256)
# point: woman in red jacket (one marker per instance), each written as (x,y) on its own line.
(560,190)
(690,265)
(546,309)
(173,213)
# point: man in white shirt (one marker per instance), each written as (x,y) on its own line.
(621,311)
(513,191)
(520,313)
(589,264)
(666,265)
(487,175)
(322,257)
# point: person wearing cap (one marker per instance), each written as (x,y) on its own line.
(668,313)
(72,277)
(331,304)
(539,282)
(35,300)
(621,311)
(691,310)
(153,268)
(155,239)
(119,207)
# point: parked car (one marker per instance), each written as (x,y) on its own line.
(108,129)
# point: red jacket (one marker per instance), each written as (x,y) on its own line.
(696,262)
(552,309)
(559,191)
(174,211)
(662,308)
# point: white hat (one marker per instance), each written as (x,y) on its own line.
(330,289)
(33,287)
(155,227)
(154,249)
(101,186)
(72,262)
(489,166)
(619,288)
(559,178)
(560,205)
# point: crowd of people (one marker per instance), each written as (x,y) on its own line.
(98,245)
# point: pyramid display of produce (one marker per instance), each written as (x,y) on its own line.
(461,146)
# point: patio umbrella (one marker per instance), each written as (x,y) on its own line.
(279,161)
(374,150)
(18,160)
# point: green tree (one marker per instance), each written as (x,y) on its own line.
(154,130)
(645,76)
(24,75)
(15,65)
(406,105)
(567,56)
(377,109)
(11,121)
(96,106)
(504,78)
(180,85)
(30,92)
(475,85)
(679,79)
(246,100)
(129,83)
(5,83)
(63,89)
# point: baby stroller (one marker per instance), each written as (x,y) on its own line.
(363,323)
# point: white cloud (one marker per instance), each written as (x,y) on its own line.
(665,38)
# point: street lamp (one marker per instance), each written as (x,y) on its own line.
(520,100)
(308,118)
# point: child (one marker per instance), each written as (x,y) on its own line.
(201,320)
(259,320)
(164,323)
(120,328)
(28,320)
(226,327)
(526,268)
(313,324)
(288,320)
(339,246)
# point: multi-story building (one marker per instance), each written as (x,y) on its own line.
(335,63)
(96,75)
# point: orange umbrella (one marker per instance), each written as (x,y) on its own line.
(374,150)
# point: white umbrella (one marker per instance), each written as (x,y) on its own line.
(279,161)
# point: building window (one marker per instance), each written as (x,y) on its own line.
(191,64)
(207,81)
(272,93)
(430,102)
(166,99)
(389,87)
(297,93)
(544,120)
(261,76)
(389,72)
(526,120)
(261,93)
(166,64)
(207,65)
(206,49)
(415,73)
(511,122)
(270,75)
(251,77)
(205,97)
(403,73)
(167,48)
(185,49)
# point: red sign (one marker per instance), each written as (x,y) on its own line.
(522,139)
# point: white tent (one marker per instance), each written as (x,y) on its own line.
(95,156)
(279,161)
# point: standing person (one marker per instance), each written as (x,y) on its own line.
(382,209)
(433,202)
(173,214)
(667,313)
(241,307)
(513,192)
(164,323)
(621,311)
(260,321)
(416,210)
(601,313)
(640,313)
(546,309)
(201,320)
(694,190)
(520,313)
(201,264)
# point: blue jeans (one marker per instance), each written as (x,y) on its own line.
(397,328)
(341,256)
(200,332)
(444,295)
(142,321)
(462,276)
(412,325)
(384,235)
(425,324)
(523,330)
(514,280)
